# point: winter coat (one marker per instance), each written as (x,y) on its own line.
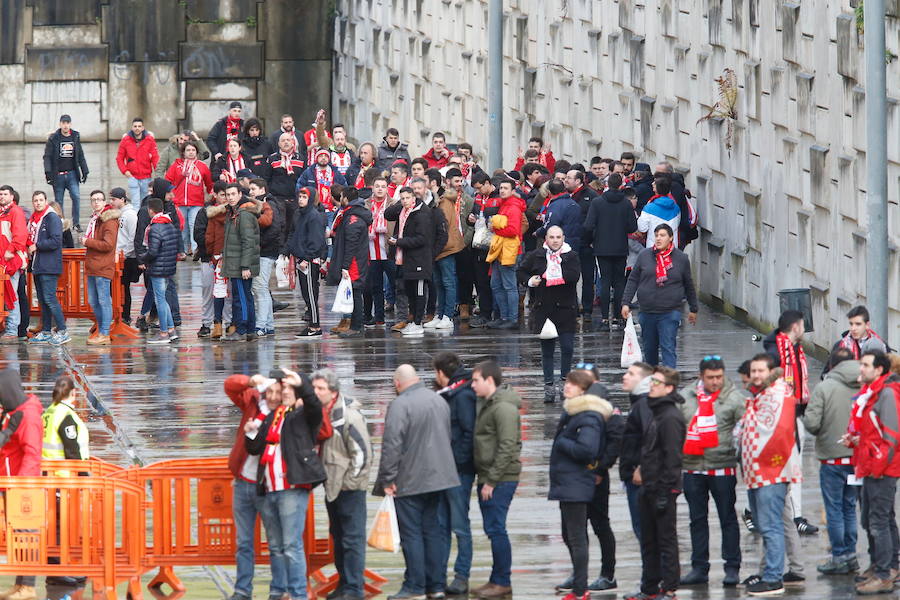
(563,212)
(387,156)
(463,403)
(222,165)
(307,239)
(143,216)
(47,259)
(498,437)
(281,183)
(828,412)
(439,229)
(257,150)
(241,248)
(437,163)
(729,408)
(643,189)
(661,209)
(246,398)
(559,303)
(201,222)
(51,155)
(455,242)
(415,241)
(347,454)
(161,254)
(308,179)
(416,443)
(271,227)
(636,424)
(21,439)
(214,235)
(578,445)
(506,245)
(100,254)
(672,294)
(138,157)
(609,221)
(876,455)
(465,209)
(190,192)
(662,447)
(351,245)
(584,196)
(172,152)
(217,140)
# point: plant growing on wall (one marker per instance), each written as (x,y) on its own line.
(726,106)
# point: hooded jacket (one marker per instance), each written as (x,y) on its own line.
(214,235)
(307,239)
(455,242)
(559,303)
(498,437)
(387,156)
(51,155)
(506,245)
(241,248)
(347,454)
(462,401)
(661,209)
(639,418)
(157,190)
(351,245)
(729,408)
(100,254)
(257,150)
(662,446)
(47,259)
(609,221)
(577,447)
(21,439)
(138,157)
(828,411)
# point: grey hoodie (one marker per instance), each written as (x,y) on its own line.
(829,407)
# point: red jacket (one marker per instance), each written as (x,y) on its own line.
(21,455)
(13,237)
(874,419)
(437,163)
(245,398)
(190,189)
(137,157)
(544,158)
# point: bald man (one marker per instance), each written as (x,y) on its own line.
(416,469)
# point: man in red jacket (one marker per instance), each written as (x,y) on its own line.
(21,441)
(439,155)
(137,158)
(13,244)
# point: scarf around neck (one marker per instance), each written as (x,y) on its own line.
(794,365)
(855,346)
(553,274)
(702,432)
(34,224)
(273,435)
(404,215)
(191,172)
(157,218)
(233,166)
(862,401)
(92,224)
(663,264)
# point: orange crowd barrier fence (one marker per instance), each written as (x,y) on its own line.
(3,279)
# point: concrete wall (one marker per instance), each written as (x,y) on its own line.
(176,63)
(786,208)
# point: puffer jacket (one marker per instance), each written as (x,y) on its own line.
(143,216)
(579,444)
(498,437)
(307,239)
(100,257)
(161,253)
(138,157)
(47,259)
(215,230)
(462,401)
(347,454)
(565,213)
(455,241)
(662,447)
(729,408)
(241,248)
(828,411)
(506,245)
(190,189)
(387,156)
(351,245)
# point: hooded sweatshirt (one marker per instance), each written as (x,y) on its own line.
(661,209)
(828,411)
(22,429)
(498,437)
(661,447)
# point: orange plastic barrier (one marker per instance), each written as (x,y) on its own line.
(3,279)
(72,292)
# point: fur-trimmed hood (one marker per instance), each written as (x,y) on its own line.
(109,214)
(587,402)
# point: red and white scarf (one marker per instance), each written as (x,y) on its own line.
(703,431)
(157,218)
(854,346)
(324,181)
(34,224)
(286,161)
(794,365)
(377,248)
(394,189)
(553,274)
(92,224)
(404,215)
(663,264)
(232,129)
(360,178)
(191,172)
(769,451)
(232,167)
(861,401)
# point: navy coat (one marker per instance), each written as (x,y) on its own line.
(577,448)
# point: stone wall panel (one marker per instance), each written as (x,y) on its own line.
(12,31)
(65,12)
(73,63)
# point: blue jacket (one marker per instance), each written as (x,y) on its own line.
(577,448)
(48,257)
(161,253)
(462,400)
(308,178)
(564,212)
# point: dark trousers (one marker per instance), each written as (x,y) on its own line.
(633,494)
(548,352)
(465,275)
(697,490)
(24,305)
(309,288)
(880,522)
(598,515)
(612,275)
(373,298)
(130,274)
(483,284)
(659,546)
(574,534)
(586,256)
(347,525)
(356,318)
(243,312)
(423,543)
(415,293)
(431,300)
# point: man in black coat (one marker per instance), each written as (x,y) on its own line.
(228,127)
(350,258)
(65,166)
(636,383)
(413,239)
(643,185)
(584,196)
(285,167)
(680,193)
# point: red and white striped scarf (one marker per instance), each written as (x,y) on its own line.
(854,346)
(663,264)
(377,247)
(703,431)
(92,224)
(404,215)
(286,162)
(157,218)
(324,181)
(34,224)
(191,172)
(232,167)
(553,274)
(794,365)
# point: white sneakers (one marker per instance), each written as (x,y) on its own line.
(413,329)
(445,323)
(432,324)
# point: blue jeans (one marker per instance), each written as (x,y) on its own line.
(63,182)
(422,541)
(697,490)
(137,189)
(284,516)
(445,285)
(455,519)
(265,318)
(245,506)
(633,493)
(14,317)
(493,515)
(45,286)
(101,302)
(347,524)
(840,509)
(767,504)
(163,311)
(659,331)
(243,313)
(187,235)
(149,302)
(505,291)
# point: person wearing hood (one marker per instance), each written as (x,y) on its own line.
(227,128)
(65,166)
(712,408)
(687,229)
(498,449)
(257,148)
(552,272)
(506,245)
(609,221)
(643,185)
(661,462)
(21,446)
(322,175)
(413,242)
(172,151)
(391,150)
(660,209)
(306,244)
(193,183)
(636,383)
(45,246)
(240,260)
(100,262)
(827,417)
(350,258)
(137,158)
(577,447)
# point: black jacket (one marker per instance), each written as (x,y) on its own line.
(440,235)
(143,216)
(671,295)
(307,239)
(301,142)
(298,441)
(662,447)
(217,139)
(584,197)
(281,183)
(609,221)
(636,424)
(686,233)
(577,447)
(643,189)
(161,253)
(257,150)
(351,245)
(271,238)
(416,241)
(559,303)
(201,222)
(462,400)
(51,155)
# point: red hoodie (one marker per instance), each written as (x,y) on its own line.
(437,163)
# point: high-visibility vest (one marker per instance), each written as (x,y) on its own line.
(53,443)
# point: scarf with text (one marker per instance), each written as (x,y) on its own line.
(703,431)
(794,365)
(273,436)
(404,215)
(324,181)
(553,274)
(855,346)
(861,401)
(34,224)
(232,129)
(191,172)
(157,218)
(663,264)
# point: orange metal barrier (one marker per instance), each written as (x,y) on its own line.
(72,292)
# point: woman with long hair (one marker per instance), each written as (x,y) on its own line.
(193,183)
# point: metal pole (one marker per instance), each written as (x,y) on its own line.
(876,166)
(495,84)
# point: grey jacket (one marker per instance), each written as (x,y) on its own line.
(729,408)
(828,411)
(669,296)
(416,454)
(347,454)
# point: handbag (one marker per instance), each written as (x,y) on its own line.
(548,331)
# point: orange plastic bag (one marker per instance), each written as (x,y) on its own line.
(385,533)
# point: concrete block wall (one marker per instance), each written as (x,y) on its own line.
(176,63)
(785,208)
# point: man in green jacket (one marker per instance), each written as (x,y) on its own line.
(240,260)
(498,446)
(712,408)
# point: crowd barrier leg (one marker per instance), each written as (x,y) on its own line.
(167,576)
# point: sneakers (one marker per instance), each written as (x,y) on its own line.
(495,324)
(459,587)
(747,517)
(766,588)
(791,578)
(205,331)
(431,324)
(309,333)
(602,583)
(41,338)
(639,595)
(510,324)
(173,334)
(141,324)
(695,577)
(870,587)
(445,323)
(405,595)
(60,337)
(572,596)
(260,333)
(413,329)
(162,338)
(604,325)
(351,333)
(835,566)
(804,527)
(566,586)
(549,393)
(477,321)
(435,595)
(753,579)
(233,337)
(865,575)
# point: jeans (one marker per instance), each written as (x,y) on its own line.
(100,301)
(767,505)
(880,521)
(506,293)
(493,515)
(840,509)
(792,548)
(697,490)
(13,318)
(347,524)
(598,515)
(137,189)
(660,570)
(189,213)
(68,181)
(588,269)
(574,534)
(149,302)
(245,507)
(456,519)
(422,541)
(374,296)
(633,494)
(265,318)
(566,350)
(445,284)
(284,516)
(612,275)
(243,313)
(163,311)
(45,286)
(659,331)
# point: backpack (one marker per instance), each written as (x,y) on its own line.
(615,432)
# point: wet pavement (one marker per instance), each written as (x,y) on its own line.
(149,403)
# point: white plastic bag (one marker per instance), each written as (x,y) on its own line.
(481,239)
(385,533)
(281,271)
(548,331)
(343,299)
(631,348)
(220,284)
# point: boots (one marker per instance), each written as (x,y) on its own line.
(20,592)
(216,331)
(341,327)
(463,312)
